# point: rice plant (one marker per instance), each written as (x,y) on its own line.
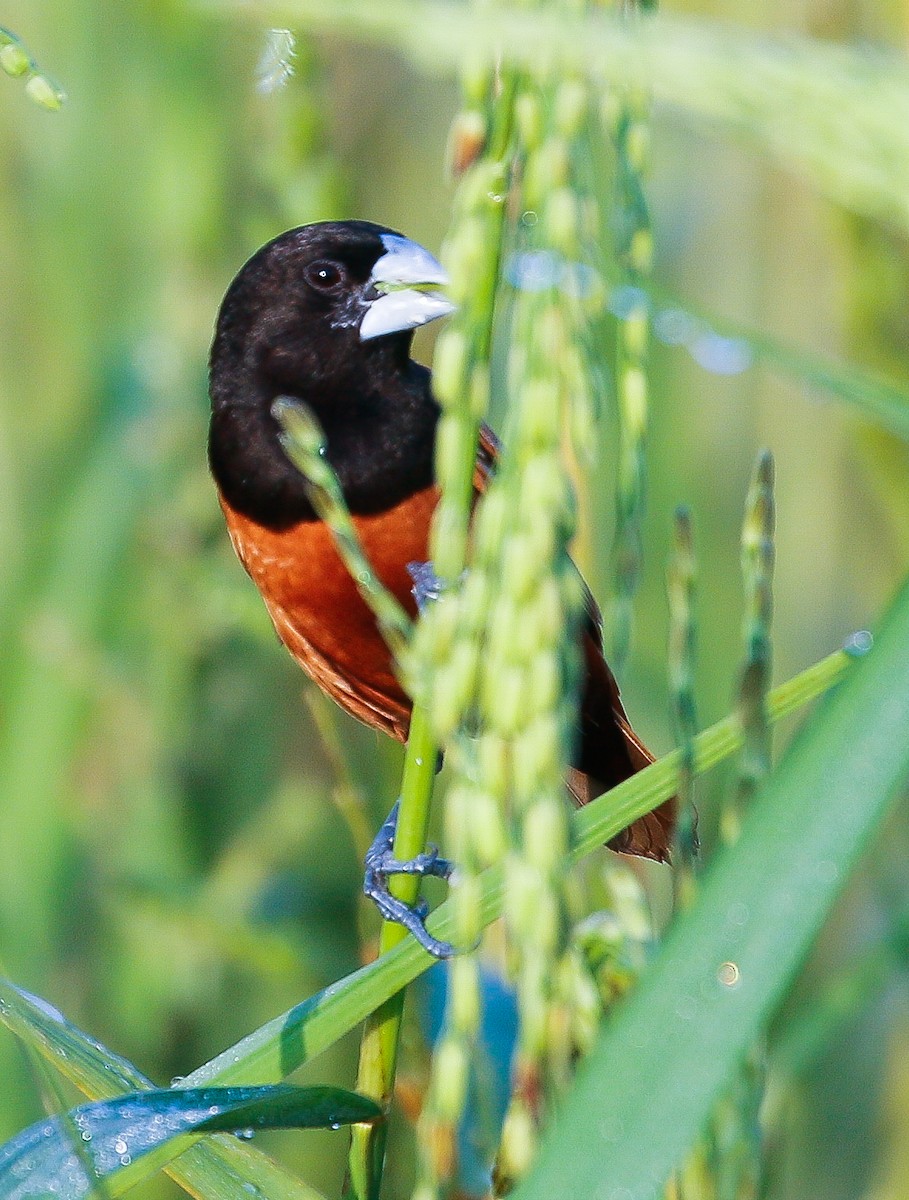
(668,239)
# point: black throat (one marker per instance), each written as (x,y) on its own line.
(379,422)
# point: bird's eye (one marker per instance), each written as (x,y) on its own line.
(324,275)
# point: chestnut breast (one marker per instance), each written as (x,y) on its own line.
(317,610)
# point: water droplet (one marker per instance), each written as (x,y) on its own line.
(334,1125)
(276,64)
(728,974)
(125,1160)
(178,1081)
(529,217)
(245,1135)
(120,1146)
(86,1135)
(721,355)
(859,643)
(418,761)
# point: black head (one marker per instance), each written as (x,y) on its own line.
(323,313)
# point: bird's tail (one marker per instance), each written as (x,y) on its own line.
(611,752)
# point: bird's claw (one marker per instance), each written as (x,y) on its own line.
(427,586)
(381,863)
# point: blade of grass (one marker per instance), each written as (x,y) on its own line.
(379,1047)
(644,1094)
(880,400)
(786,94)
(276,1049)
(304,443)
(105,1148)
(222,1168)
(45,693)
(283,1044)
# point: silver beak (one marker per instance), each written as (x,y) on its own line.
(401,307)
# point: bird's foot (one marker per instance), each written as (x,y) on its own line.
(427,586)
(381,863)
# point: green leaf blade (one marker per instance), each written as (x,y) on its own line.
(114,1142)
(646,1091)
(219,1168)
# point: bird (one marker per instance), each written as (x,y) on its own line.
(325,314)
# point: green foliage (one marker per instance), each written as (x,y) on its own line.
(786,93)
(647,1088)
(106,1147)
(284,1044)
(179,836)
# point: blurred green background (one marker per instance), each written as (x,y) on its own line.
(175,867)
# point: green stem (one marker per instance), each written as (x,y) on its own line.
(304,443)
(285,1043)
(379,1046)
(681,586)
(282,1045)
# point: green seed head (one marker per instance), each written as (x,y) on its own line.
(519,1142)
(45,92)
(538,755)
(633,385)
(520,570)
(465,995)
(487,829)
(454,438)
(14,60)
(476,79)
(466,893)
(545,681)
(493,756)
(503,700)
(637,145)
(450,367)
(545,834)
(541,412)
(493,516)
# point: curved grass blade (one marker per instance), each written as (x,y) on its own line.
(881,400)
(219,1168)
(110,1145)
(787,94)
(285,1043)
(295,1037)
(644,1094)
